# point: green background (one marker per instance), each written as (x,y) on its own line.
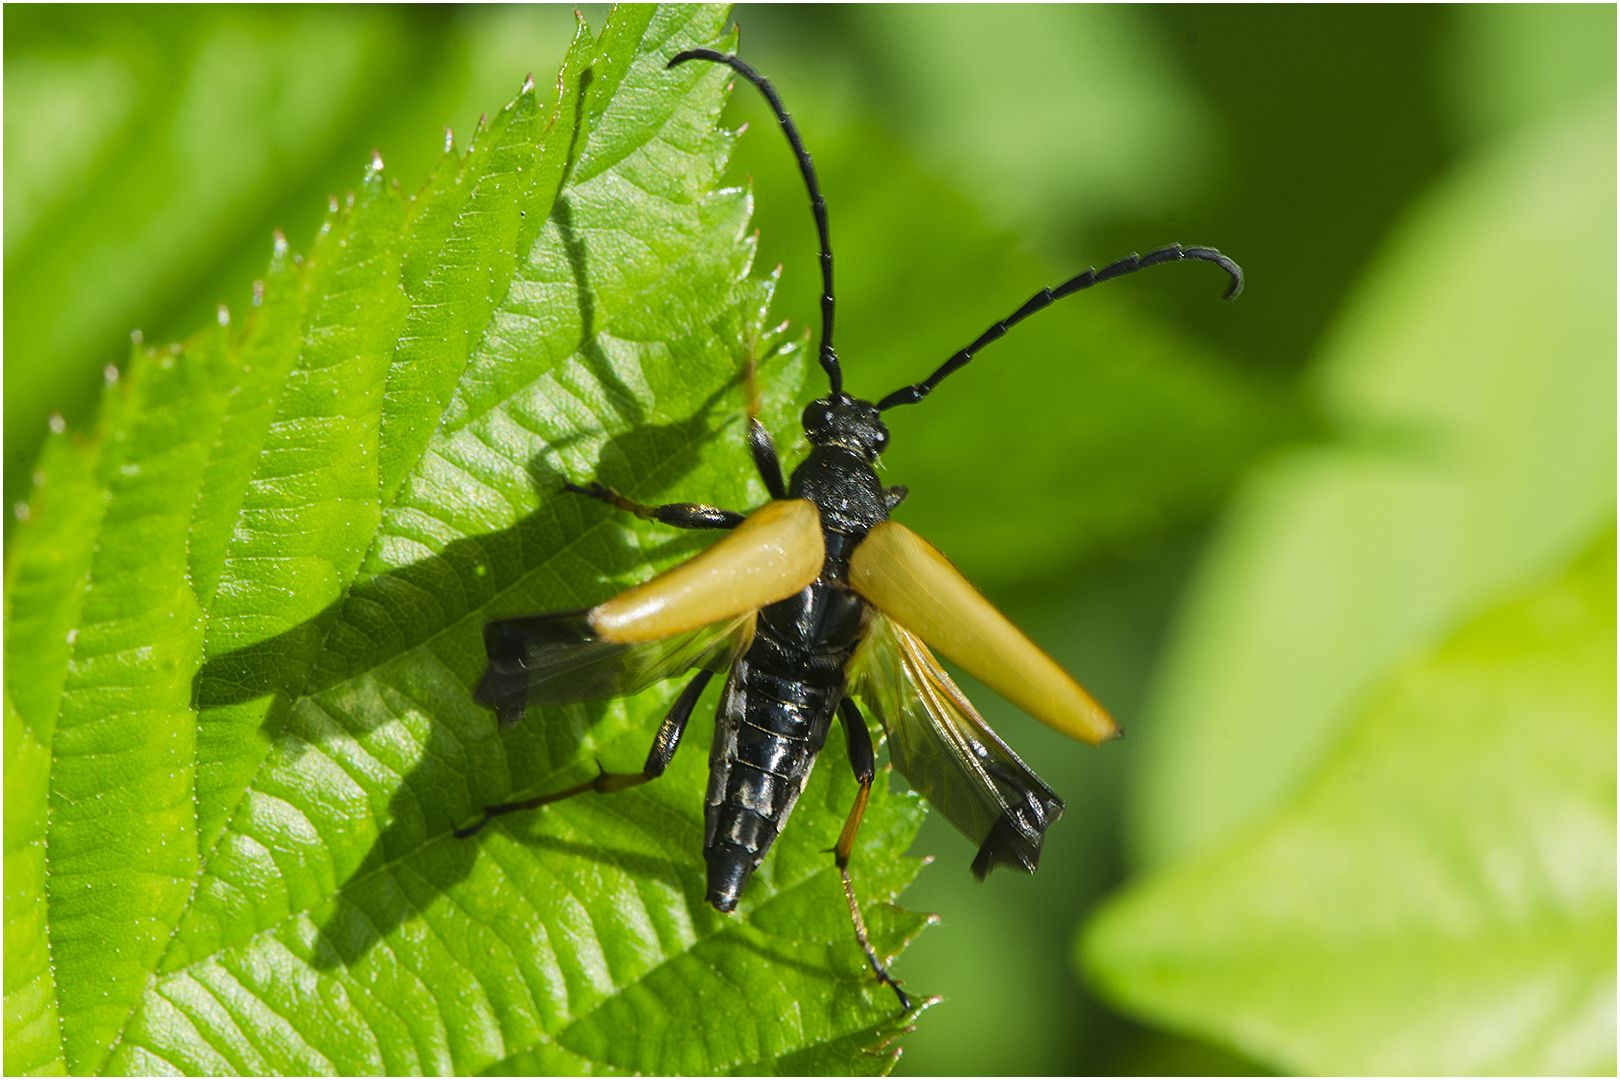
(1168,492)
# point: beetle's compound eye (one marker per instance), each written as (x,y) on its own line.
(816,415)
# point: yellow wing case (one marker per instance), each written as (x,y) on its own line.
(908,579)
(775,553)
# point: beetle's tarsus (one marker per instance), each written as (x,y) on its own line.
(878,969)
(473,830)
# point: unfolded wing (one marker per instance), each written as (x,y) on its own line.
(946,751)
(560,659)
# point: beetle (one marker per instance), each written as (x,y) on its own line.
(808,603)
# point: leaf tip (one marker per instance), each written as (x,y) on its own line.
(376,165)
(55,421)
(109,374)
(135,337)
(223,315)
(449,139)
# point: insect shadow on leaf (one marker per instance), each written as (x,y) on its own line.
(315,677)
(562,215)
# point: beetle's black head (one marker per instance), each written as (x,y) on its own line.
(840,420)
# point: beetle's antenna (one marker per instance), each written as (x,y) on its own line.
(1130,264)
(818,205)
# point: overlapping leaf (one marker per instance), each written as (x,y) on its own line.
(1441,899)
(243,618)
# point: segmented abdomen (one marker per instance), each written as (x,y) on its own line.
(772,722)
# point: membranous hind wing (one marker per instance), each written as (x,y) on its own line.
(560,660)
(697,614)
(941,745)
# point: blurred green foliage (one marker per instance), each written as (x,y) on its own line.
(1439,898)
(971,155)
(1472,452)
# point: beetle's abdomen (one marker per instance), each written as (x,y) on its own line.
(772,722)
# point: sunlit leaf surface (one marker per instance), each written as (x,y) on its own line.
(244,615)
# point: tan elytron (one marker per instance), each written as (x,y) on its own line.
(769,557)
(908,579)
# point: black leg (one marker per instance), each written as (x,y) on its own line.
(861,757)
(606,783)
(674,726)
(760,443)
(1130,264)
(763,447)
(862,760)
(680,515)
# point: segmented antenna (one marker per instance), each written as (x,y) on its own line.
(1130,264)
(818,205)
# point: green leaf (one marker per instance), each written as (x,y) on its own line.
(1473,384)
(1441,899)
(243,619)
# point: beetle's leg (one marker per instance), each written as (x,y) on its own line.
(864,763)
(670,731)
(760,443)
(658,758)
(894,495)
(763,447)
(680,515)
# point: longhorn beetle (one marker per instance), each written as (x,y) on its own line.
(810,602)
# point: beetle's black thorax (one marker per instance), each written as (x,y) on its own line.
(846,489)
